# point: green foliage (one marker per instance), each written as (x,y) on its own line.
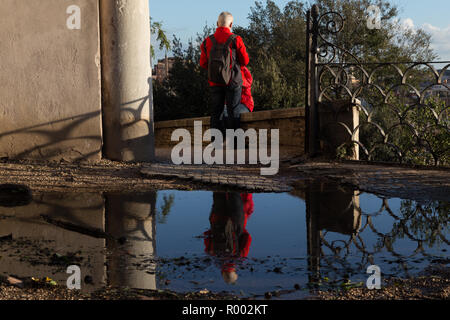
(185,93)
(345,151)
(418,131)
(164,212)
(390,43)
(275,40)
(164,43)
(431,122)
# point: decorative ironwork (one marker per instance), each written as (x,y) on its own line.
(403,107)
(336,254)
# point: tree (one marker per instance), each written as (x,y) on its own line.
(275,40)
(390,43)
(185,93)
(164,43)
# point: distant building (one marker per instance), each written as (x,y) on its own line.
(441,91)
(162,68)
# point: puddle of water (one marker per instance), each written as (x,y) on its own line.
(246,244)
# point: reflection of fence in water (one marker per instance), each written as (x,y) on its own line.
(433,216)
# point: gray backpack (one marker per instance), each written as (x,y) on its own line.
(220,63)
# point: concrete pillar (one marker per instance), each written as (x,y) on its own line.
(126,80)
(339,128)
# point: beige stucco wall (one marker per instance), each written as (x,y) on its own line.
(50,81)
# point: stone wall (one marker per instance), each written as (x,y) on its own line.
(50,105)
(290,122)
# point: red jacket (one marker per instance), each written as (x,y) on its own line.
(222,34)
(246,98)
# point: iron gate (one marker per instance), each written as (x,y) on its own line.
(400,110)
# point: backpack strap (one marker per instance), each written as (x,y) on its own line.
(213,39)
(232,38)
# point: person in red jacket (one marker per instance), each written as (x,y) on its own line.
(228,238)
(230,93)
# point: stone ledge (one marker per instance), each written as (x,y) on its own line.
(273,114)
(247,117)
(181,123)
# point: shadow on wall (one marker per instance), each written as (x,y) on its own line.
(81,137)
(130,123)
(76,138)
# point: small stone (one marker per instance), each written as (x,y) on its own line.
(15,282)
(268,295)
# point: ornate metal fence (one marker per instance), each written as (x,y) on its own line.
(402,108)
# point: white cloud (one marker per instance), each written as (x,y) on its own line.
(408,23)
(440,40)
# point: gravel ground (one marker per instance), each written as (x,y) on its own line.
(109,176)
(432,284)
(8,292)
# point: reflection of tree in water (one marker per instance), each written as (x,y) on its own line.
(163,212)
(426,222)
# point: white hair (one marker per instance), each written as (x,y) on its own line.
(225,19)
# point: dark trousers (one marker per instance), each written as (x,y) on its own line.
(228,223)
(219,96)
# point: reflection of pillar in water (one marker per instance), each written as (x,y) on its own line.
(131,218)
(331,208)
(312,235)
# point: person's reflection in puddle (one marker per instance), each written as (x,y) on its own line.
(228,239)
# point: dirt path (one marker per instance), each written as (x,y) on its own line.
(109,176)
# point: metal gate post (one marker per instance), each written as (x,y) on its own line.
(312,114)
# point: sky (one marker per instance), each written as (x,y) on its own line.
(186,18)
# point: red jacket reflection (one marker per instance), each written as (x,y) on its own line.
(228,236)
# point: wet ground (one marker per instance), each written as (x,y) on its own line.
(320,237)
